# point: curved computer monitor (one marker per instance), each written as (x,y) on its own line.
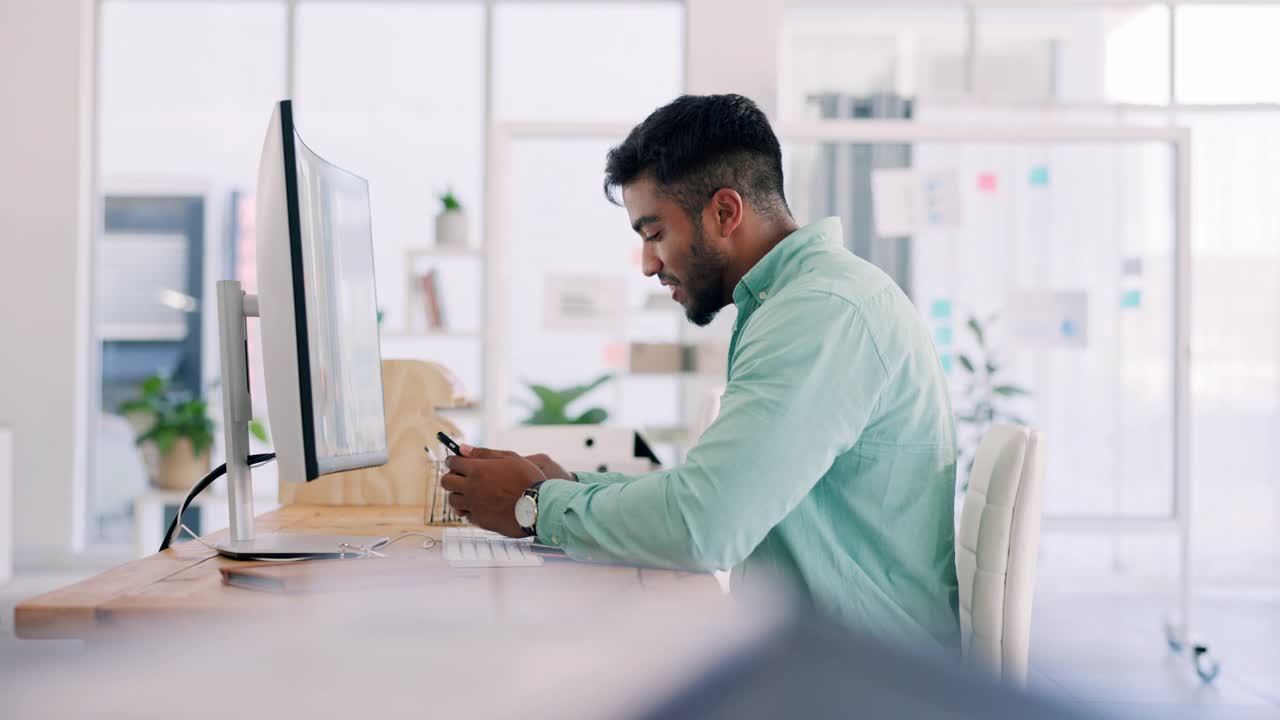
(318,310)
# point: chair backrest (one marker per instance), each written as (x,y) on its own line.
(996,547)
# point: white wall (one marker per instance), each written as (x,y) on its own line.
(45,214)
(6,505)
(732,46)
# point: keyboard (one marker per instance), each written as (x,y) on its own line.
(473,547)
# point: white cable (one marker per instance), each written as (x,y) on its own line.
(359,550)
(427,544)
(194,536)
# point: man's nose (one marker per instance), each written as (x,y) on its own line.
(650,265)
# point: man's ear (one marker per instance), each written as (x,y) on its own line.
(727,206)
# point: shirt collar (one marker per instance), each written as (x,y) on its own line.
(778,266)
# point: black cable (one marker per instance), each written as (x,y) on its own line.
(171,533)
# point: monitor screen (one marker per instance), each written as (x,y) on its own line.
(341,314)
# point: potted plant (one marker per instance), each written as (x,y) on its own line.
(451,222)
(177,427)
(554,406)
(985,399)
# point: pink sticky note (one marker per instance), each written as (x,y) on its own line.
(615,355)
(987,182)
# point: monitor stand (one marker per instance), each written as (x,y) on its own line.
(234,308)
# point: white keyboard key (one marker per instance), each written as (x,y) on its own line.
(473,547)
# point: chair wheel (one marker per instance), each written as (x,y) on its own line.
(1206,667)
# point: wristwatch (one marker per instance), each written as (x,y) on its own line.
(527,509)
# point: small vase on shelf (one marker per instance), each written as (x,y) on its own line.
(451,223)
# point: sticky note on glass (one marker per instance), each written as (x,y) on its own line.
(942,336)
(987,182)
(615,355)
(1039,176)
(941,309)
(1131,299)
(946,363)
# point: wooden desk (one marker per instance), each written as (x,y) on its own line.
(183,582)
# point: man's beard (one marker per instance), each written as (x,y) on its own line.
(704,282)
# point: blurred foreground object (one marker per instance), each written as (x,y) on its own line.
(384,654)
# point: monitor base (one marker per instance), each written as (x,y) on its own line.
(281,546)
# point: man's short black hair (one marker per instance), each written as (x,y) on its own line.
(699,144)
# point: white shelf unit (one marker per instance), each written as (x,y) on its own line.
(452,267)
(460,348)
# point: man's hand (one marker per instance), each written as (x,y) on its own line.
(484,485)
(550,468)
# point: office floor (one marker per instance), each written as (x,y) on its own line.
(1104,651)
(1107,652)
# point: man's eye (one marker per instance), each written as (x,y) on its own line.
(653,237)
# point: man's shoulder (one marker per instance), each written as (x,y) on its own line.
(843,279)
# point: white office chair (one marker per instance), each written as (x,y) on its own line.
(996,546)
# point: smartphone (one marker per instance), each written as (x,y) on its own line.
(449,443)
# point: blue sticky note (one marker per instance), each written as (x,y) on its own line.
(946,363)
(942,336)
(1039,176)
(1069,329)
(1131,299)
(942,308)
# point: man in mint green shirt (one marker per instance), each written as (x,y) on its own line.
(831,465)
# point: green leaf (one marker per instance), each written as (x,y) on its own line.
(258,430)
(594,416)
(1009,391)
(577,391)
(976,328)
(545,394)
(164,437)
(552,402)
(135,406)
(992,368)
(154,386)
(541,417)
(450,201)
(965,362)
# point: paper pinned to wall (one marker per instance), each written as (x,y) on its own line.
(584,304)
(1050,319)
(905,201)
(895,201)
